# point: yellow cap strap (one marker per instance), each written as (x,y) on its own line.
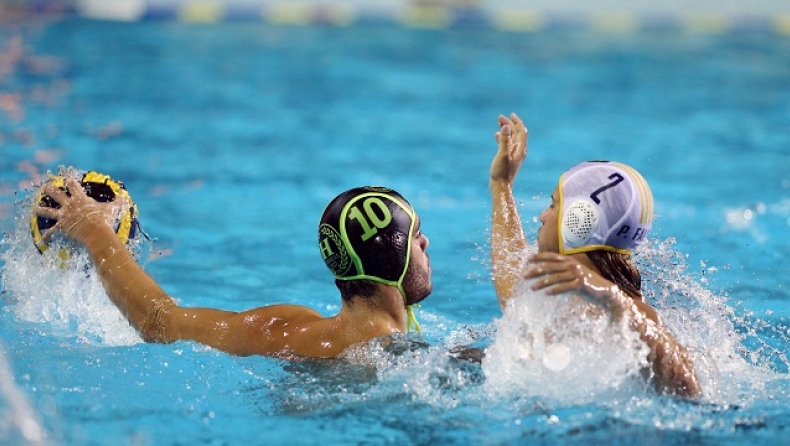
(411,319)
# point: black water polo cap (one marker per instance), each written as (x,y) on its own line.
(365,233)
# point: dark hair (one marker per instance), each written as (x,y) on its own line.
(350,289)
(620,269)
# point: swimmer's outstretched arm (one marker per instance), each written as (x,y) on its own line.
(673,369)
(273,330)
(508,244)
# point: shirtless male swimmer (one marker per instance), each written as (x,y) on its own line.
(369,237)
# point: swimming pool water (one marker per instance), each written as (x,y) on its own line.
(233,137)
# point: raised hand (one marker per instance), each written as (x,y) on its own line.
(512,140)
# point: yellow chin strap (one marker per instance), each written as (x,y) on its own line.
(411,319)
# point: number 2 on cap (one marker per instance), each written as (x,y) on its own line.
(378,223)
(616,179)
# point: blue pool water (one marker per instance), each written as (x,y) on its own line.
(232,138)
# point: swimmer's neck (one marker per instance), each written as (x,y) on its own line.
(384,309)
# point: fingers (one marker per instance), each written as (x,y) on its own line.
(43,211)
(556,283)
(56,193)
(554,273)
(74,188)
(547,257)
(512,136)
(543,269)
(46,236)
(563,287)
(518,123)
(503,137)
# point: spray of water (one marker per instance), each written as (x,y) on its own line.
(58,287)
(19,421)
(709,325)
(562,351)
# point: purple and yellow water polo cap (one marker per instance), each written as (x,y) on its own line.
(605,205)
(365,233)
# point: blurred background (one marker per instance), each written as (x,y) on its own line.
(613,15)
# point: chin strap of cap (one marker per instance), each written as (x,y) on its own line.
(411,319)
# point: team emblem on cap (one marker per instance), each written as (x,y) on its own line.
(333,251)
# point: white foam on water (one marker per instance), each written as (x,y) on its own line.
(19,423)
(562,350)
(65,294)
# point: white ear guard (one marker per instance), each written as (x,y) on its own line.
(579,223)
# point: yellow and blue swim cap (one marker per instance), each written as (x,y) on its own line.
(96,185)
(605,205)
(365,233)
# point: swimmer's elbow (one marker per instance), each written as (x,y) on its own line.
(154,328)
(687,387)
(681,381)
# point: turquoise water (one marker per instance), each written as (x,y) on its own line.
(233,137)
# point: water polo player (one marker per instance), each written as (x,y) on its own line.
(599,212)
(369,237)
(365,239)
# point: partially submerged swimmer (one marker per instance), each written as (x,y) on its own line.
(369,238)
(599,213)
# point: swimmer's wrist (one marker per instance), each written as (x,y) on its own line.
(101,242)
(94,233)
(501,183)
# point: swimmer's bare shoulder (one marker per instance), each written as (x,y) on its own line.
(276,330)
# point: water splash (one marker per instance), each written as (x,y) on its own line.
(62,290)
(548,347)
(562,350)
(734,363)
(19,424)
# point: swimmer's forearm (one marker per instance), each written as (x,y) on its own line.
(144,303)
(672,367)
(508,243)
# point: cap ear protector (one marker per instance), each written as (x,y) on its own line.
(579,223)
(96,185)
